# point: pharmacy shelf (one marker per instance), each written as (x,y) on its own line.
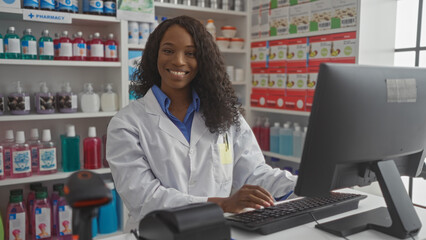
(281,157)
(57,63)
(136,46)
(197,12)
(48,177)
(239,83)
(288,112)
(308,34)
(55,116)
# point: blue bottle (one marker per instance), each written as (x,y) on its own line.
(107,217)
(94,226)
(286,140)
(297,141)
(275,138)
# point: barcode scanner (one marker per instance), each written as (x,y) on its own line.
(85,193)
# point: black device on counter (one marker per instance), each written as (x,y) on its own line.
(191,222)
(85,193)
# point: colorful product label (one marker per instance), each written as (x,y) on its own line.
(19,103)
(79,49)
(42,223)
(47,4)
(96,6)
(109,7)
(65,5)
(67,101)
(111,51)
(46,49)
(12,45)
(21,161)
(7,159)
(97,50)
(65,220)
(1,164)
(48,159)
(17,226)
(65,49)
(31,3)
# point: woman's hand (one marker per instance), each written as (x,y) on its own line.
(249,196)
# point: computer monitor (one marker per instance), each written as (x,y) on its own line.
(368,123)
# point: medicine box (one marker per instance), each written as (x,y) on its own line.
(259,54)
(278,53)
(297,52)
(260,78)
(344,47)
(319,49)
(299,18)
(279,21)
(320,19)
(344,13)
(10,4)
(277,80)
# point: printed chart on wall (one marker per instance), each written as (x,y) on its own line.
(136,10)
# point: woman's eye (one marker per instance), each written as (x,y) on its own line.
(167,51)
(190,53)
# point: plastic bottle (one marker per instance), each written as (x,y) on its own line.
(275,138)
(88,43)
(143,33)
(56,46)
(96,48)
(2,174)
(67,100)
(201,3)
(64,47)
(64,217)
(104,160)
(297,142)
(65,6)
(305,130)
(153,25)
(133,31)
(107,217)
(19,101)
(256,130)
(286,140)
(1,47)
(86,6)
(213,4)
(44,100)
(21,157)
(28,45)
(34,144)
(110,7)
(12,44)
(7,144)
(45,46)
(109,100)
(30,4)
(74,7)
(111,49)
(70,145)
(92,150)
(211,28)
(16,218)
(79,48)
(96,7)
(265,135)
(54,197)
(90,101)
(30,201)
(47,154)
(48,5)
(41,216)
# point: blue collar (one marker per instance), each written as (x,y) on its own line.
(165,101)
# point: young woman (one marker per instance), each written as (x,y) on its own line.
(185,140)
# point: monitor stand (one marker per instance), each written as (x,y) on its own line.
(399,219)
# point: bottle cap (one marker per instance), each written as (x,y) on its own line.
(163,18)
(41,193)
(56,35)
(58,186)
(27,31)
(210,20)
(297,128)
(20,137)
(276,124)
(110,185)
(89,87)
(111,36)
(43,87)
(267,124)
(17,191)
(96,35)
(19,87)
(90,37)
(11,29)
(92,132)
(46,135)
(286,125)
(79,34)
(305,129)
(34,133)
(15,198)
(35,186)
(45,33)
(65,33)
(108,87)
(9,135)
(67,87)
(70,131)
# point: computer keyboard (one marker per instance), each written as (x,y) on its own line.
(294,212)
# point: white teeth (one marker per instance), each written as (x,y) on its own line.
(177,73)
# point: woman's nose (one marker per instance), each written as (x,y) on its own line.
(179,59)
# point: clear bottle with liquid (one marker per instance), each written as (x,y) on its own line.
(211,28)
(286,140)
(47,154)
(46,49)
(70,145)
(12,44)
(297,141)
(265,135)
(92,146)
(41,218)
(34,143)
(96,48)
(30,201)
(79,48)
(19,101)
(256,129)
(28,45)
(64,47)
(109,100)
(44,100)
(111,49)
(67,100)
(110,7)
(1,47)
(56,46)
(275,138)
(7,144)
(90,101)
(64,217)
(21,157)
(16,218)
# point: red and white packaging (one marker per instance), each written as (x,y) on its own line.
(259,54)
(344,47)
(277,53)
(258,100)
(296,81)
(296,103)
(277,80)
(311,82)
(319,50)
(297,49)
(260,78)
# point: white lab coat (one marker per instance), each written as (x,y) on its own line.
(154,166)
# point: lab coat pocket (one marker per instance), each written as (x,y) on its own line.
(222,163)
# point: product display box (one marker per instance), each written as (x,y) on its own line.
(279,3)
(255,25)
(344,47)
(309,101)
(275,101)
(255,5)
(277,80)
(264,5)
(259,54)
(296,103)
(311,82)
(344,13)
(277,53)
(320,19)
(260,79)
(319,50)
(295,2)
(299,18)
(296,83)
(258,100)
(297,52)
(264,23)
(279,21)
(10,4)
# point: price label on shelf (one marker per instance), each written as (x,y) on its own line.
(46,16)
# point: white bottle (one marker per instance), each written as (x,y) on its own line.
(133,32)
(143,33)
(153,25)
(211,28)
(109,101)
(90,101)
(297,141)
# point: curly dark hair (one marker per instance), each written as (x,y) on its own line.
(218,102)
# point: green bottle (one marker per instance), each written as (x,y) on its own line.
(28,45)
(70,150)
(12,44)
(45,46)
(1,49)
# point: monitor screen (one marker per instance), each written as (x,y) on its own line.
(368,123)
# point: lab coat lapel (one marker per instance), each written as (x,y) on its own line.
(164,124)
(198,128)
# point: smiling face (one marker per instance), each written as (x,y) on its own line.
(176,61)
